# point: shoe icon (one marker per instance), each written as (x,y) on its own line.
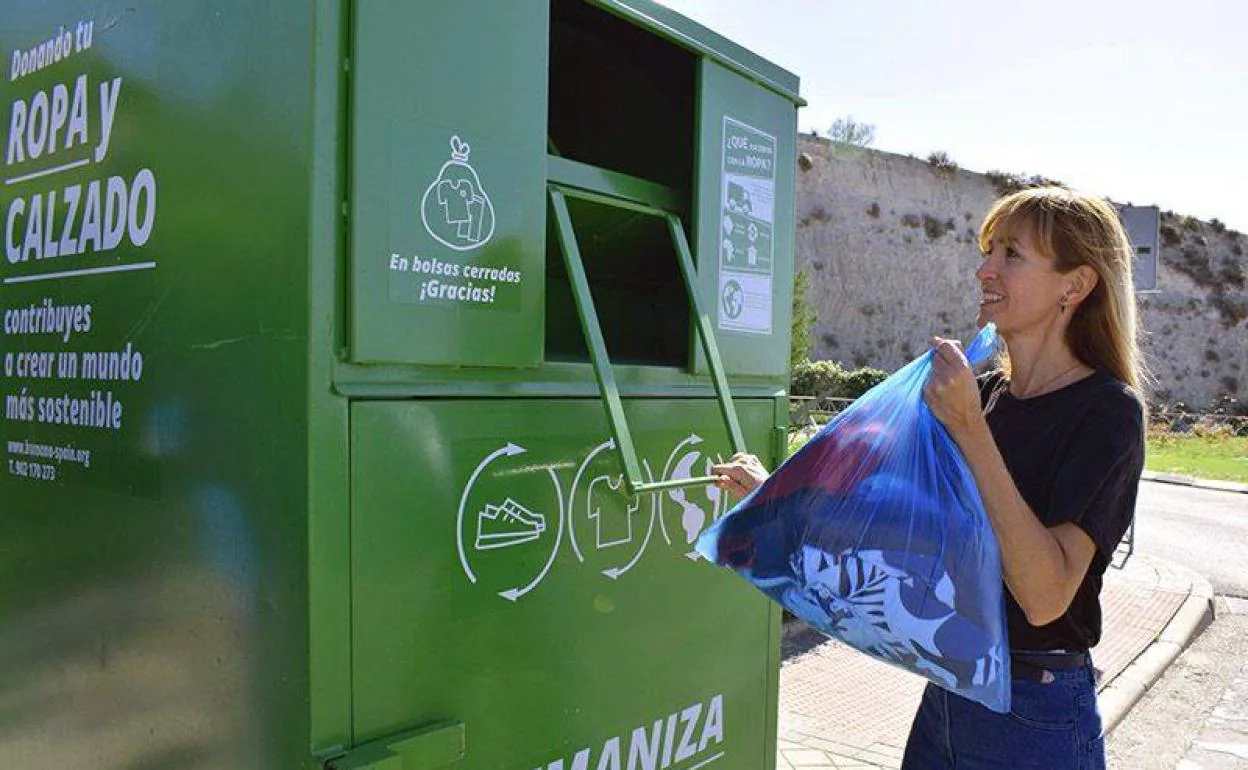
(500,526)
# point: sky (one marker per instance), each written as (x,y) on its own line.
(1144,102)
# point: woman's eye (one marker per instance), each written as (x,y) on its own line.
(1011,254)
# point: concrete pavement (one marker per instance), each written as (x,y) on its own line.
(842,709)
(1222,740)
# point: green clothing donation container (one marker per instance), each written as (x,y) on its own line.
(363,367)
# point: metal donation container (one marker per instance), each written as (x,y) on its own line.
(363,367)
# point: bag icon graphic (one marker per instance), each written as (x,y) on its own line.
(455,208)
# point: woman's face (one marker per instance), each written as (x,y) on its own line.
(1020,288)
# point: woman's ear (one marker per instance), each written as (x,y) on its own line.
(1079,284)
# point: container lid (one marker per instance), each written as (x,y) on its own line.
(695,37)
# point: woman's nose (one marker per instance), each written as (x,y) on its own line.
(986,269)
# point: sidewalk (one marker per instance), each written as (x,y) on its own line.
(1222,742)
(842,709)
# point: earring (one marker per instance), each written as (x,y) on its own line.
(1065,299)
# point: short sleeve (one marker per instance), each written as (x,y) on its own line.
(1099,475)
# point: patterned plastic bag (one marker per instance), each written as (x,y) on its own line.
(874,533)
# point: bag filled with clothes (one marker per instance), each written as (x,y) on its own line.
(874,533)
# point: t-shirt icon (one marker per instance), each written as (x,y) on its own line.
(462,207)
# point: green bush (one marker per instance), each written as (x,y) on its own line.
(861,380)
(804,319)
(812,378)
(831,379)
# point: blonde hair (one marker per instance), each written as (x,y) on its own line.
(1075,229)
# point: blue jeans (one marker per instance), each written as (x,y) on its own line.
(1051,726)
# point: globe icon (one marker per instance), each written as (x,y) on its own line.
(734,299)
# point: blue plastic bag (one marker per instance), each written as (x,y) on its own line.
(874,533)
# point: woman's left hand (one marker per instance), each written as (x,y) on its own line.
(951,391)
(741,474)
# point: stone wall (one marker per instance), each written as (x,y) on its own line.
(889,244)
(1196,324)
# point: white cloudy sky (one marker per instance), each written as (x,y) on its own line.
(1145,102)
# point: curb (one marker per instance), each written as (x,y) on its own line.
(1117,698)
(791,626)
(1188,481)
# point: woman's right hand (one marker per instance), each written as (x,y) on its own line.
(740,474)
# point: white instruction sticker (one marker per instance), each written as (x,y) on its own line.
(747,219)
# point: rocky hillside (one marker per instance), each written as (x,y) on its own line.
(889,244)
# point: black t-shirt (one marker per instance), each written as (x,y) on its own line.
(1075,454)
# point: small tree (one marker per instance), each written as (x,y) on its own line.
(849,131)
(942,163)
(803,321)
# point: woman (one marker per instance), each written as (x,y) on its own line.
(1055,441)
